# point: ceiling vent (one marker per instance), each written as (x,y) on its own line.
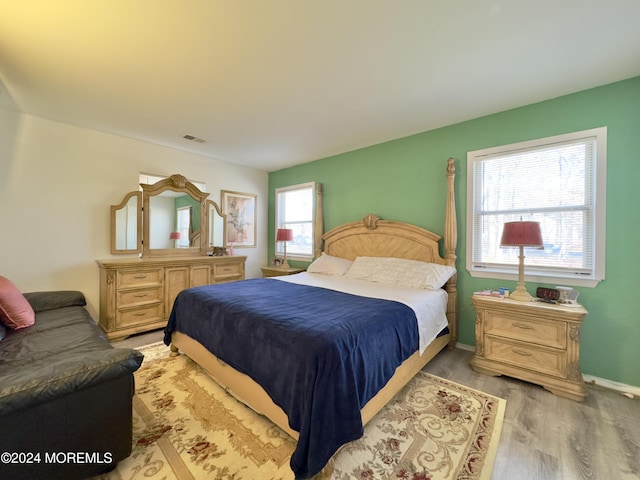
(193,138)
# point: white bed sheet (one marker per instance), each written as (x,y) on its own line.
(430,306)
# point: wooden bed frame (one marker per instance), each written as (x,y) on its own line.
(369,237)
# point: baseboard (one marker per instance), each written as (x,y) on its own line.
(627,390)
(464,346)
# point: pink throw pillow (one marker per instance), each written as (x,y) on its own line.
(15,310)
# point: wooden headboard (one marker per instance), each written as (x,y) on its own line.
(374,237)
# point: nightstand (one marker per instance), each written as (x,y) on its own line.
(533,341)
(279,271)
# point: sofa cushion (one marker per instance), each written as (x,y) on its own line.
(15,310)
(62,353)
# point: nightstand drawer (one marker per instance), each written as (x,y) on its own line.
(138,278)
(527,329)
(539,359)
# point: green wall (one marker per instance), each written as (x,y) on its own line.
(404,180)
(188,201)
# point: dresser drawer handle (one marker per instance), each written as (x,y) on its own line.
(521,352)
(523,326)
(139,276)
(140,295)
(140,314)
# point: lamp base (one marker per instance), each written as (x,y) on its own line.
(284,263)
(521,295)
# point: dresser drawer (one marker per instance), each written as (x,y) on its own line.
(527,329)
(140,296)
(227,270)
(539,359)
(139,316)
(139,278)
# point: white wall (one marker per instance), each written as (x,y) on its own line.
(57,183)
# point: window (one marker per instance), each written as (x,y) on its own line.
(557,181)
(294,210)
(183,225)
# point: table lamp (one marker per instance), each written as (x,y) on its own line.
(175,236)
(521,234)
(284,235)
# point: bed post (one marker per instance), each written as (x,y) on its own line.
(450,245)
(319,221)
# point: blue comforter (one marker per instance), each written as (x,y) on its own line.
(320,354)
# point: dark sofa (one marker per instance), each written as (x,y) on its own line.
(65,394)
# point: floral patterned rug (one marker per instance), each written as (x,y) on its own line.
(187,427)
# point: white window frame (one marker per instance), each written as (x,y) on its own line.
(558,276)
(183,221)
(281,223)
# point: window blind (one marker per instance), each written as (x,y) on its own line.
(551,182)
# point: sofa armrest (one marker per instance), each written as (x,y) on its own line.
(41,301)
(49,378)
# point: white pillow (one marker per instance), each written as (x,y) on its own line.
(367,268)
(401,272)
(330,265)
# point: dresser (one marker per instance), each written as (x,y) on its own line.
(533,341)
(137,295)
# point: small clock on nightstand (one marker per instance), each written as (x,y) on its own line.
(279,271)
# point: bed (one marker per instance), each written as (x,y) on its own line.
(249,335)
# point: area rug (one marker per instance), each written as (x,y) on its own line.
(187,427)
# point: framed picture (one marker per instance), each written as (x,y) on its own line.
(276,262)
(240,209)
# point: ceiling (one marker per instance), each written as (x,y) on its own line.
(274,83)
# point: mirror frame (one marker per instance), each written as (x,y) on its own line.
(176,183)
(209,204)
(114,210)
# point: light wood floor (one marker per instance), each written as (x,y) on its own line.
(548,437)
(544,437)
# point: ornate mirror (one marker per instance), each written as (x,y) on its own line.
(126,225)
(217,220)
(168,218)
(174,217)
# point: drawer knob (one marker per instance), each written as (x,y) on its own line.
(521,352)
(523,326)
(140,314)
(139,276)
(140,295)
